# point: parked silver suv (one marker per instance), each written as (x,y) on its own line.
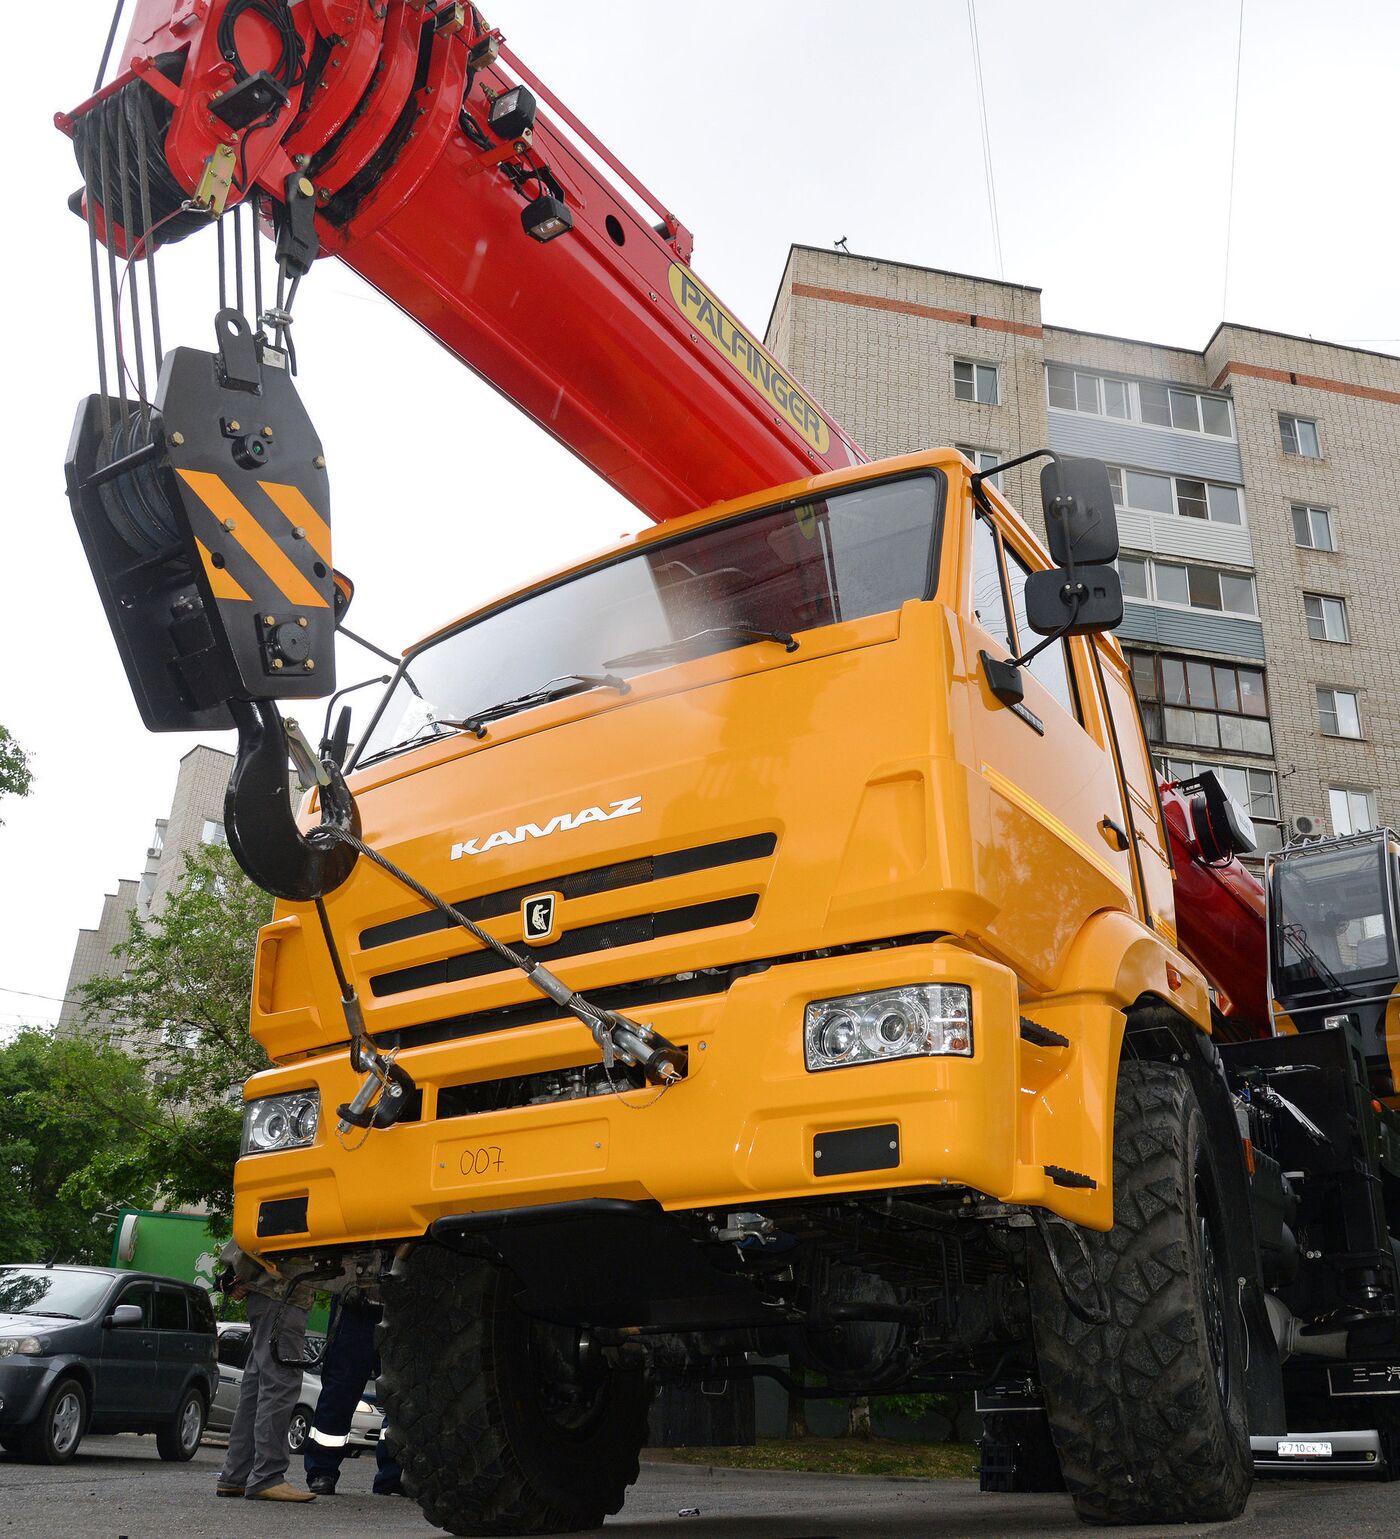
(92,1349)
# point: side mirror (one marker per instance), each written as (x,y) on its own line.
(1050,601)
(1080,521)
(125,1316)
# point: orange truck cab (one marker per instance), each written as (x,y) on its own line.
(765,780)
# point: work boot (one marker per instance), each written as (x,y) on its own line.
(222,1490)
(282,1492)
(322,1485)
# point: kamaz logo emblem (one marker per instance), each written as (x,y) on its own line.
(556,825)
(537,917)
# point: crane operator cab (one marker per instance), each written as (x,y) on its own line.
(1334,959)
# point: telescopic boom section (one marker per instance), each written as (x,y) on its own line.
(491,216)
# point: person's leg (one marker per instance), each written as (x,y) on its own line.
(388,1477)
(238,1461)
(278,1340)
(345,1367)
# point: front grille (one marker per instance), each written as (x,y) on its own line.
(491,1095)
(631,931)
(577,884)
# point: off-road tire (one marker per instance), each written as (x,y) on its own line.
(1148,1416)
(178,1440)
(461,1389)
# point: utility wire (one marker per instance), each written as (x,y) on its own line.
(1234,141)
(986,137)
(57,999)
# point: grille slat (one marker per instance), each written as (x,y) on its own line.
(632,931)
(577,884)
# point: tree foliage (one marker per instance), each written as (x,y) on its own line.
(16,776)
(180,1003)
(56,1139)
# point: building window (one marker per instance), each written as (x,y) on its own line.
(975,382)
(1337,713)
(1126,400)
(1206,704)
(1353,811)
(1141,491)
(982,460)
(1326,617)
(1299,436)
(1312,527)
(1180,586)
(212,833)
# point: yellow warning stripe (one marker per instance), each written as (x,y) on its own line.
(302,515)
(219,498)
(221,580)
(1047,819)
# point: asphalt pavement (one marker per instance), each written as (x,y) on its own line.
(118,1486)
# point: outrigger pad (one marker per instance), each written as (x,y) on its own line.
(211,545)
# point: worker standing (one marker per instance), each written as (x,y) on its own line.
(350,1361)
(255,1466)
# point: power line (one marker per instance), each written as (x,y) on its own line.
(1234,141)
(57,999)
(986,137)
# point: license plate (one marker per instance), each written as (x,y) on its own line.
(1305,1450)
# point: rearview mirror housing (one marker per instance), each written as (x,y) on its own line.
(124,1316)
(1050,605)
(1080,522)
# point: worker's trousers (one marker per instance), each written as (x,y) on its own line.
(346,1368)
(257,1442)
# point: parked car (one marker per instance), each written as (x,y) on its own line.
(234,1339)
(92,1349)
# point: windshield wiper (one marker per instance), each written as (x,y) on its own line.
(739,634)
(51,1314)
(559,688)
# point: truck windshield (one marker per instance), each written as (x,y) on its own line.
(859,552)
(1333,935)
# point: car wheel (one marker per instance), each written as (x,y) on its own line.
(178,1440)
(298,1429)
(54,1437)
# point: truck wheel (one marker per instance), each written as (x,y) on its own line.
(1148,1409)
(496,1428)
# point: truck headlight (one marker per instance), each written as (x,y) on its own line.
(21,1346)
(280,1122)
(916,1021)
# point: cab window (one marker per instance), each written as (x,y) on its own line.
(998,576)
(1050,667)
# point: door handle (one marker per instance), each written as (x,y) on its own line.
(1115,836)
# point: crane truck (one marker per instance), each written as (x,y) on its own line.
(763,948)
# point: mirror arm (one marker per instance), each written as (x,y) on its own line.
(1021,459)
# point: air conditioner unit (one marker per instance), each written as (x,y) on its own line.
(1304,827)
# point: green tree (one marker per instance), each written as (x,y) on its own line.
(16,776)
(56,1138)
(180,1003)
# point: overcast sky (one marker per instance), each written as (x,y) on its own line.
(1110,125)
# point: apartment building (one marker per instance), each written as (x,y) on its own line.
(195,818)
(1258,492)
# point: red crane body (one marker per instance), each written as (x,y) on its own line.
(606,338)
